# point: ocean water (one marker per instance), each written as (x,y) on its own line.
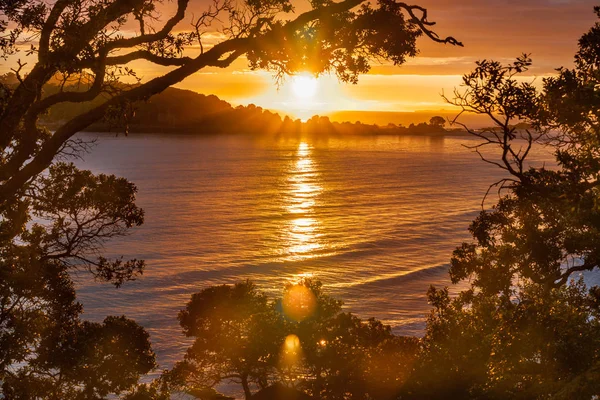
(374,218)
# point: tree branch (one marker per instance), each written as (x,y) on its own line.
(152,37)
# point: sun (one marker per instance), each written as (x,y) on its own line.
(304,86)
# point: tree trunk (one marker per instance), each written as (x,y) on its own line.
(246,387)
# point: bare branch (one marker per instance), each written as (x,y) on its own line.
(424,23)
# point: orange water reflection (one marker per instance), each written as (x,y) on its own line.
(303,189)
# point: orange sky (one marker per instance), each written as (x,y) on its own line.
(502,30)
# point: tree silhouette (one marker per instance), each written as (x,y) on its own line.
(302,340)
(88,361)
(437,121)
(45,350)
(526,328)
(237,334)
(347,357)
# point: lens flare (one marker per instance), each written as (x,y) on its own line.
(299,302)
(291,352)
(292,343)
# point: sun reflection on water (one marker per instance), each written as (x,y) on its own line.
(303,190)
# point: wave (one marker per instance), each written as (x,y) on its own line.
(387,280)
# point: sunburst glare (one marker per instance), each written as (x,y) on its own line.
(304,86)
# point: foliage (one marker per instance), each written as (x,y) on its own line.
(437,121)
(60,223)
(244,338)
(348,358)
(525,329)
(237,338)
(156,390)
(541,344)
(89,361)
(546,227)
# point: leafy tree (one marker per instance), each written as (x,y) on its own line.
(355,359)
(45,350)
(238,336)
(242,337)
(54,218)
(343,356)
(90,362)
(156,390)
(542,344)
(526,328)
(437,121)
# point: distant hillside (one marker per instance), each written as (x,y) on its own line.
(184,111)
(171,110)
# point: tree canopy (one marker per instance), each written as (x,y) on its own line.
(528,325)
(244,338)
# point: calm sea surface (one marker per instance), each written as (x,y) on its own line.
(374,218)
